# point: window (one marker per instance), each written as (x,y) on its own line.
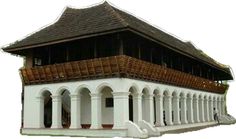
(37,61)
(109,102)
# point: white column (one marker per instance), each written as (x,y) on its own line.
(215,104)
(175,108)
(96,111)
(56,112)
(121,109)
(75,111)
(40,120)
(201,109)
(168,110)
(190,109)
(206,108)
(137,108)
(183,110)
(223,107)
(149,109)
(219,107)
(195,110)
(159,110)
(211,110)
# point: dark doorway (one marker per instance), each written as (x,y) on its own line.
(154,104)
(47,110)
(66,111)
(130,108)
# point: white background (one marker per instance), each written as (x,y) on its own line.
(209,24)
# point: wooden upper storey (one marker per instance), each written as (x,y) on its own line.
(117,66)
(122,43)
(104,31)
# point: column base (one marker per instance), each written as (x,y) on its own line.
(75,127)
(56,126)
(184,122)
(159,124)
(169,123)
(96,127)
(191,122)
(177,123)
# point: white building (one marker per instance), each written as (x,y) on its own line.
(101,68)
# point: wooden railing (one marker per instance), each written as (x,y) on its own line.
(117,66)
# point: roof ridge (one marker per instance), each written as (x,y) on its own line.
(118,16)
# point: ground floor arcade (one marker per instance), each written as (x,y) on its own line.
(117,104)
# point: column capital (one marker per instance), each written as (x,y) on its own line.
(56,97)
(189,98)
(195,99)
(168,96)
(175,97)
(137,95)
(93,95)
(75,97)
(159,95)
(148,97)
(183,98)
(201,99)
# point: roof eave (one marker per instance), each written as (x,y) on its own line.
(175,49)
(23,47)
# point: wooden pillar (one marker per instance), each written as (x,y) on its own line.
(200,71)
(95,48)
(171,60)
(162,57)
(49,55)
(67,54)
(151,55)
(121,45)
(139,52)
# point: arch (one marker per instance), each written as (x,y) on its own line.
(175,93)
(214,98)
(201,96)
(80,88)
(103,85)
(195,96)
(145,106)
(107,105)
(43,90)
(182,94)
(166,92)
(85,105)
(66,106)
(222,98)
(134,87)
(146,90)
(134,91)
(167,107)
(61,89)
(157,91)
(190,110)
(47,108)
(189,95)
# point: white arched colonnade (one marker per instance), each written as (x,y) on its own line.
(134,100)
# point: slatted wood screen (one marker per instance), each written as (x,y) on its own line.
(117,66)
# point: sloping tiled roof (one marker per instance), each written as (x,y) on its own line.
(103,18)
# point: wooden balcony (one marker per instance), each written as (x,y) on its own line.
(117,66)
